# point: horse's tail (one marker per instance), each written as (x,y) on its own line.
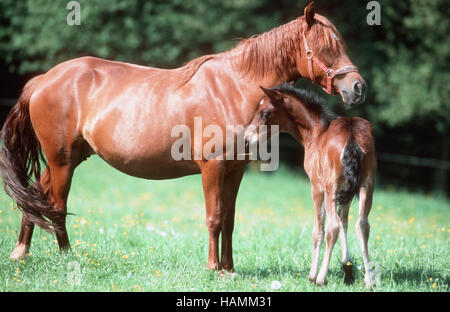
(20,162)
(351,160)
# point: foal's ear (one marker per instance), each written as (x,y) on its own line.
(273,95)
(309,13)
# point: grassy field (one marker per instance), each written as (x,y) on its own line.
(129,234)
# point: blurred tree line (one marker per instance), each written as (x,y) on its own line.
(405,60)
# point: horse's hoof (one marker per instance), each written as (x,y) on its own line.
(19,252)
(64,251)
(212,267)
(225,273)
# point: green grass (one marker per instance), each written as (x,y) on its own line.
(129,234)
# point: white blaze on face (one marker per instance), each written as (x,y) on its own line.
(251,135)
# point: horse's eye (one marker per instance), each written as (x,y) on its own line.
(335,36)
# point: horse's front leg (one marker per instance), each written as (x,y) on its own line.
(213,172)
(230,189)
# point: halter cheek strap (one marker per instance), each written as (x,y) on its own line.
(330,73)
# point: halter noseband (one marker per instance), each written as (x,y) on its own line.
(330,73)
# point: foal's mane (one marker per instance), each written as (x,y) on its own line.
(312,102)
(275,51)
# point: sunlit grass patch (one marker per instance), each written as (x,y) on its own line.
(129,234)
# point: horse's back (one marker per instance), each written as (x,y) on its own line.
(90,105)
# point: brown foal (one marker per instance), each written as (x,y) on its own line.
(126,114)
(340,162)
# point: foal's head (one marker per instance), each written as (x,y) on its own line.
(323,58)
(301,113)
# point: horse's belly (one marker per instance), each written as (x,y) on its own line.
(148,158)
(154,168)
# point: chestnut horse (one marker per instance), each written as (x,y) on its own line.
(125,114)
(340,162)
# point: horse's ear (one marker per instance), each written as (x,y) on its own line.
(309,13)
(273,95)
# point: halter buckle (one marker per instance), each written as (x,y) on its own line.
(309,54)
(330,72)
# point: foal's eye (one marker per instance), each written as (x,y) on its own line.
(265,114)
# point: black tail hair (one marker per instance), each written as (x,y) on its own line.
(351,161)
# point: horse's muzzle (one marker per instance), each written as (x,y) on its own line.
(356,94)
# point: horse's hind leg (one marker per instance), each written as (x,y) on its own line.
(55,183)
(332,229)
(60,181)
(24,240)
(363,229)
(318,232)
(346,260)
(27,227)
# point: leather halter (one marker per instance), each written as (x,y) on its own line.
(330,73)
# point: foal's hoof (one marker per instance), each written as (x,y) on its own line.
(321,282)
(370,283)
(348,273)
(20,252)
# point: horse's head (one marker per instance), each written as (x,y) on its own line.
(323,59)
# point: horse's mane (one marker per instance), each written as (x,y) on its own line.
(270,52)
(275,51)
(313,102)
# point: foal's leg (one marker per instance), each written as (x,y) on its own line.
(230,191)
(363,229)
(318,232)
(346,260)
(212,179)
(333,227)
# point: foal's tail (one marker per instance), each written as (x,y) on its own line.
(351,160)
(20,162)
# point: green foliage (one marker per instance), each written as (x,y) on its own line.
(404,61)
(413,82)
(155,33)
